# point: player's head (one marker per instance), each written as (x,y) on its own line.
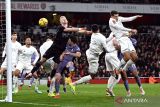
(95,28)
(72,40)
(14,36)
(114,14)
(28,40)
(63,20)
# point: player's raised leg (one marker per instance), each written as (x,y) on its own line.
(93,67)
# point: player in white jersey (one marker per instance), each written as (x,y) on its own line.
(112,63)
(121,33)
(24,61)
(96,47)
(49,64)
(43,48)
(15,47)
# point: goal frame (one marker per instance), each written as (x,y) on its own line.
(8,98)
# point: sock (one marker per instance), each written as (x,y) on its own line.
(31,81)
(64,84)
(110,82)
(0,77)
(115,81)
(22,78)
(138,81)
(133,68)
(83,79)
(137,78)
(36,67)
(122,63)
(126,85)
(15,82)
(127,65)
(52,86)
(49,78)
(57,86)
(36,84)
(69,80)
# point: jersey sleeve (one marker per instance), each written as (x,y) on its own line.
(78,49)
(36,54)
(113,24)
(4,51)
(20,49)
(104,43)
(127,19)
(41,49)
(19,46)
(110,37)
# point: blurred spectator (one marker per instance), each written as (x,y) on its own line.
(152,80)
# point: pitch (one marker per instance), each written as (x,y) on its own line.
(88,95)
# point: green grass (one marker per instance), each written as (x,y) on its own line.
(87,96)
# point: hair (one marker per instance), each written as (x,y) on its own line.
(95,28)
(113,12)
(73,39)
(27,36)
(61,17)
(14,33)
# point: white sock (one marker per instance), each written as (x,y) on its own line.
(15,82)
(36,84)
(110,82)
(128,64)
(82,80)
(122,63)
(115,81)
(52,86)
(0,76)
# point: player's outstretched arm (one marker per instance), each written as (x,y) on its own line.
(113,24)
(128,19)
(73,29)
(37,56)
(110,37)
(85,32)
(77,54)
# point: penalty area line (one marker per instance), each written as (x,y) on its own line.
(37,104)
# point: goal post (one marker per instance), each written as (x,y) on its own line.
(7,11)
(9,56)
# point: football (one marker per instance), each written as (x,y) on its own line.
(43,22)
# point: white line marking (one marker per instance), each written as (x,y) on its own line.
(36,104)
